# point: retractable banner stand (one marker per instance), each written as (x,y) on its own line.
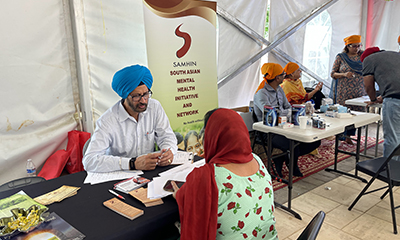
(181,52)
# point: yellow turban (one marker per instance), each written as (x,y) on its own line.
(269,71)
(352,39)
(290,68)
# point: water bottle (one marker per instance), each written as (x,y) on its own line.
(30,168)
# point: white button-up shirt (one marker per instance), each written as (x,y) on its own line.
(119,137)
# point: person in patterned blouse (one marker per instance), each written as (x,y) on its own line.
(347,79)
(231,196)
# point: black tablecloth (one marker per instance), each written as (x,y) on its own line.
(85,210)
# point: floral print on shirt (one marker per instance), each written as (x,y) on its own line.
(246,205)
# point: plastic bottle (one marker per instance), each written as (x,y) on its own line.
(30,168)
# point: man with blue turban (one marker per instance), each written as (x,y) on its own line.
(126,133)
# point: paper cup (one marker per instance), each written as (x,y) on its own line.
(303,122)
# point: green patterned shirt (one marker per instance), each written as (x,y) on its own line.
(245,205)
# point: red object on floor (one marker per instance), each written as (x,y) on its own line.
(71,159)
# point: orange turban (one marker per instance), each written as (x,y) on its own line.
(398,39)
(290,68)
(269,71)
(352,39)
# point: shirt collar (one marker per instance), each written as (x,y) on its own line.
(123,114)
(269,88)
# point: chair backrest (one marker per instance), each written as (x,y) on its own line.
(396,152)
(313,227)
(21,182)
(85,147)
(254,116)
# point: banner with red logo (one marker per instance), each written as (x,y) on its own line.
(181,52)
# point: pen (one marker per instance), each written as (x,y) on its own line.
(163,153)
(116,194)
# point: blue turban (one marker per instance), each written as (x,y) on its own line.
(128,79)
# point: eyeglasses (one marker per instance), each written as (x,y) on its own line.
(145,96)
(282,74)
(355,45)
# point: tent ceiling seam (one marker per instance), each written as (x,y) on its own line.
(270,46)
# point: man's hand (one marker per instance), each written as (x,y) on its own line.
(147,162)
(378,100)
(165,157)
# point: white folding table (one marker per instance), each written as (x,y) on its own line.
(360,101)
(310,134)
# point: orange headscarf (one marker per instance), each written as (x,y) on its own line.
(352,39)
(270,71)
(398,39)
(291,67)
(226,140)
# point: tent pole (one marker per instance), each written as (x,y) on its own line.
(82,63)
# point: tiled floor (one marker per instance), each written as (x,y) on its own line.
(369,219)
(333,193)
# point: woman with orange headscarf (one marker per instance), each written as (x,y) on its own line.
(293,87)
(347,74)
(231,196)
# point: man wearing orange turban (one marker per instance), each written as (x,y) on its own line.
(271,94)
(293,87)
(269,72)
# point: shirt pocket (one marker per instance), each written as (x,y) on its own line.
(149,140)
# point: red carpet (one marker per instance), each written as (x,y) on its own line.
(310,164)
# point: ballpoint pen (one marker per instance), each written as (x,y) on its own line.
(163,153)
(116,194)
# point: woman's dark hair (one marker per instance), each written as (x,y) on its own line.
(190,133)
(207,116)
(346,48)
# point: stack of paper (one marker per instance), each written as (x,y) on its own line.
(57,195)
(100,177)
(179,173)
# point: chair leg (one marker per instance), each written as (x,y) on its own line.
(362,193)
(385,193)
(391,200)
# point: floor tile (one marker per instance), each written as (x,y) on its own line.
(341,217)
(369,227)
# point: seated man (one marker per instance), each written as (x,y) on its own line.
(126,133)
(270,93)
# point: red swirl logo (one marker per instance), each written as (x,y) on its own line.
(188,40)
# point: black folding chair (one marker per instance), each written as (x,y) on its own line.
(313,227)
(21,182)
(387,170)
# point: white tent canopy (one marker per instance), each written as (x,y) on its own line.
(58,58)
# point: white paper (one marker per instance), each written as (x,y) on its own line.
(182,157)
(155,188)
(96,177)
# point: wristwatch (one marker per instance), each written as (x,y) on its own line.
(132,164)
(374,100)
